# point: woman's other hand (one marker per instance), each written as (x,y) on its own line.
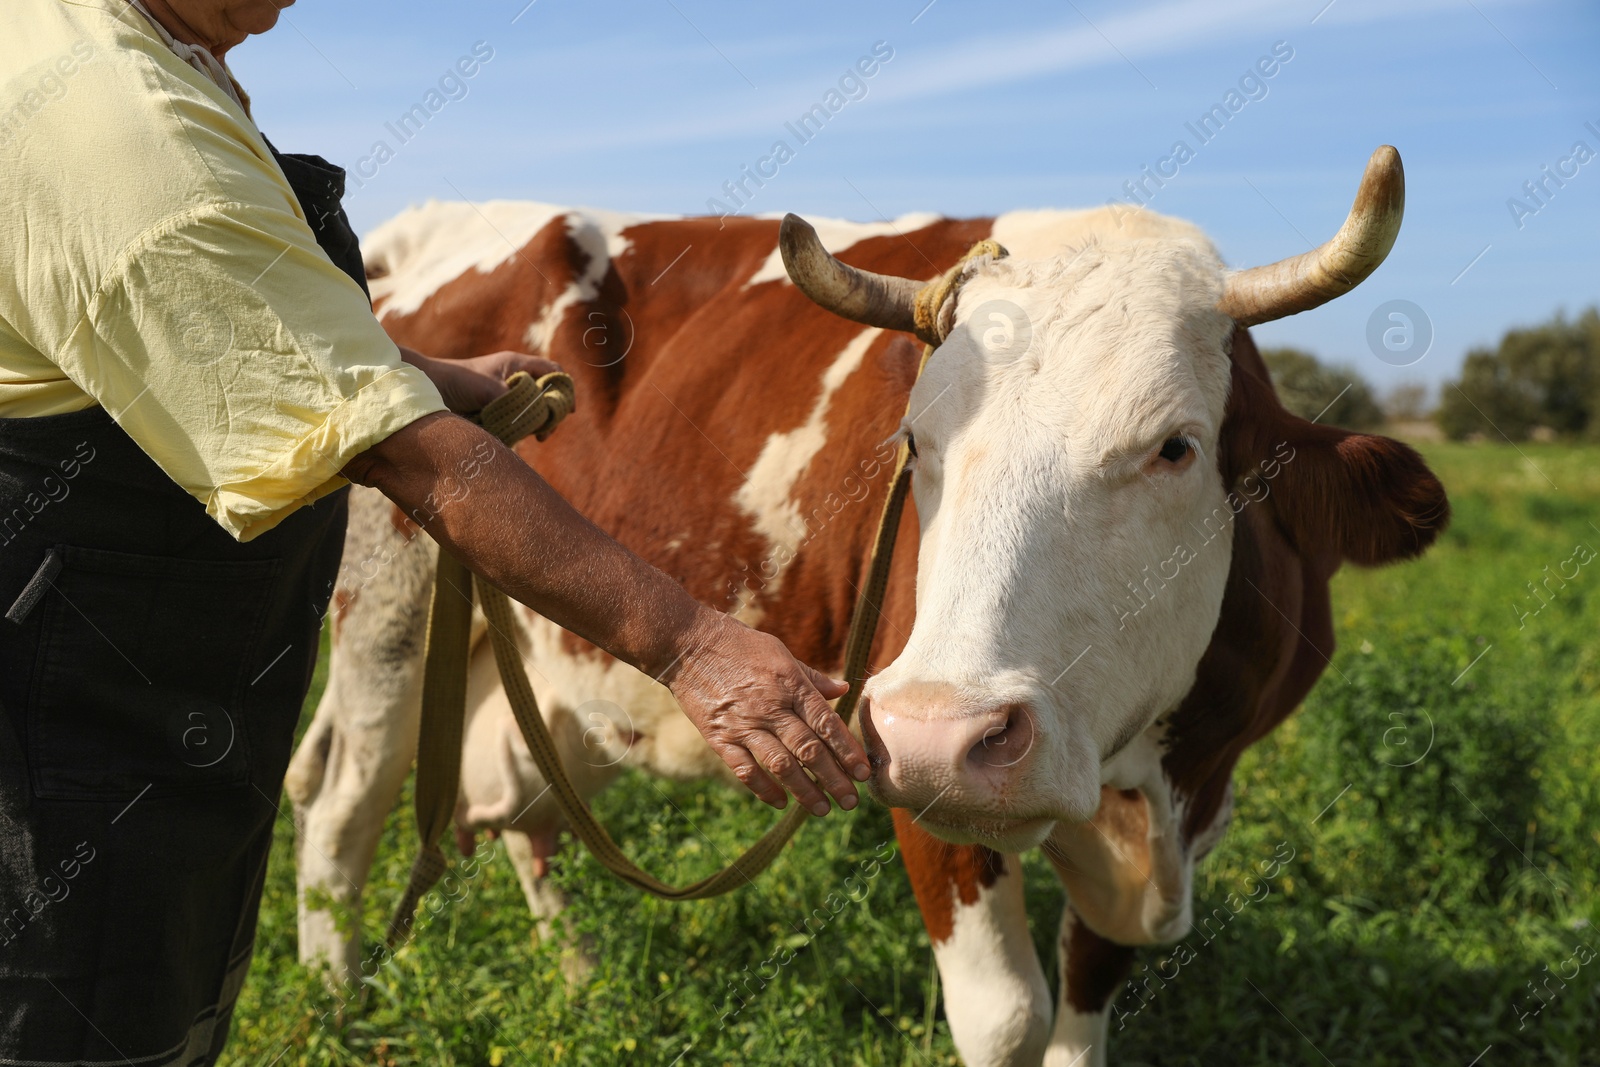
(468,385)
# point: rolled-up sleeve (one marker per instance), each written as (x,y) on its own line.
(247,365)
(158,263)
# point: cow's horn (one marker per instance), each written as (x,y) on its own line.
(1313,278)
(859,295)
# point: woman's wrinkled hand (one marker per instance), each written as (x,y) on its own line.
(766,714)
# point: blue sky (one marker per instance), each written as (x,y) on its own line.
(987,107)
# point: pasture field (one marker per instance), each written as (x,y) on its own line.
(1437,799)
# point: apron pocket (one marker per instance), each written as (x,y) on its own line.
(140,678)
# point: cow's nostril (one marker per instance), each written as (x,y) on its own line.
(1006,739)
(877,751)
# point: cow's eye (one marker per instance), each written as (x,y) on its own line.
(911,443)
(1176,450)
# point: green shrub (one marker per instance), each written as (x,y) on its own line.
(1542,376)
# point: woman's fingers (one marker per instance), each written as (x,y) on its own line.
(782,765)
(504,364)
(847,751)
(804,744)
(830,688)
(539,367)
(468,385)
(749,772)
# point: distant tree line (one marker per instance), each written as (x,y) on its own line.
(1545,376)
(1541,380)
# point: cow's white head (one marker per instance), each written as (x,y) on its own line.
(1076,525)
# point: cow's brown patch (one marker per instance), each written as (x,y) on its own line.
(943,874)
(1124,813)
(1106,864)
(1094,968)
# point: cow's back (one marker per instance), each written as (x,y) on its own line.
(727,430)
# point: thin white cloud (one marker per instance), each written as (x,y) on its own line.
(917,74)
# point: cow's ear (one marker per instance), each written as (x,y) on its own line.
(900,359)
(1337,495)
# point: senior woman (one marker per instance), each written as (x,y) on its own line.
(189,373)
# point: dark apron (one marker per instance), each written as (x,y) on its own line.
(152,671)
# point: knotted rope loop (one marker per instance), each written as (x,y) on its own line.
(935,307)
(529,406)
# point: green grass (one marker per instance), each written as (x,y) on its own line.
(1421,901)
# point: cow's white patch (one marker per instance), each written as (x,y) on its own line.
(838,235)
(767,494)
(426,247)
(1065,586)
(995,996)
(599,235)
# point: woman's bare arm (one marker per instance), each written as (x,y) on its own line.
(755,704)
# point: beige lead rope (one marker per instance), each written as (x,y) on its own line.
(527,406)
(537,407)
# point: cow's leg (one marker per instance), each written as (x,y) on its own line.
(528,855)
(528,859)
(347,773)
(995,996)
(347,776)
(1107,867)
(1127,877)
(1092,970)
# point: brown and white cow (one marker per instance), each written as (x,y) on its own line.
(1114,581)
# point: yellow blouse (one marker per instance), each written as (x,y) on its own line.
(154,260)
